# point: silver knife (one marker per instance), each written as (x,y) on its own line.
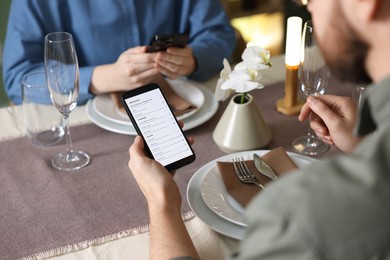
(263,167)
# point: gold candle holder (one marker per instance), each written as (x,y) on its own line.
(290,105)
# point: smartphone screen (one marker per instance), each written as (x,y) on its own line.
(154,121)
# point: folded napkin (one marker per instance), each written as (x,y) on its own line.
(277,159)
(179,105)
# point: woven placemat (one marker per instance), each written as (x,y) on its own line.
(46,212)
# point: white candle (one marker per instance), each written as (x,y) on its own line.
(290,105)
(293,41)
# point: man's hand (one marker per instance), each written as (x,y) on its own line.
(156,183)
(333,120)
(154,180)
(168,235)
(175,62)
(133,68)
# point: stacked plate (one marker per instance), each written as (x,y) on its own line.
(103,112)
(210,201)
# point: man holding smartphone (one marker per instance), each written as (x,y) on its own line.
(334,209)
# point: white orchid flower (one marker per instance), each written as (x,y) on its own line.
(222,94)
(242,81)
(246,75)
(252,64)
(226,70)
(257,54)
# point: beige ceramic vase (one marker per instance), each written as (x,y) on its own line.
(241,127)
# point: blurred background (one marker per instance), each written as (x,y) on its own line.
(4,7)
(259,21)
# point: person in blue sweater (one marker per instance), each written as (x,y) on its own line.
(111,39)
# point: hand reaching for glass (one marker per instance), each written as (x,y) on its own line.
(333,119)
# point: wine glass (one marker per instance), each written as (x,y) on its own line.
(313,76)
(357,94)
(62,76)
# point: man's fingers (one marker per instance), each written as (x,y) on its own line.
(166,72)
(190,139)
(305,112)
(321,110)
(138,49)
(318,125)
(137,148)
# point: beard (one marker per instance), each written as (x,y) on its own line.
(345,53)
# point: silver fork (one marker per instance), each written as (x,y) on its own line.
(243,173)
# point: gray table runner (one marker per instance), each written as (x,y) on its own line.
(42,208)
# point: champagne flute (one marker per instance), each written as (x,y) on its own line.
(357,94)
(62,76)
(313,76)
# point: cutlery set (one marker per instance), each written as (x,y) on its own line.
(246,176)
(243,173)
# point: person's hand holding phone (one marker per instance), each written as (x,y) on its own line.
(134,67)
(153,179)
(166,143)
(151,176)
(154,120)
(174,57)
(176,62)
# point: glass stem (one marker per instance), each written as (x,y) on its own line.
(310,133)
(67,136)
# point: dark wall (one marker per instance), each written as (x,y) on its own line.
(4,7)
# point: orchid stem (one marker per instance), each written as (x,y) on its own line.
(242,98)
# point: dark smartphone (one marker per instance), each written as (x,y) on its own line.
(154,121)
(161,42)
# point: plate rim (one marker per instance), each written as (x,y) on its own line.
(105,124)
(228,215)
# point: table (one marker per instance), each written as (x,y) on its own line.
(210,245)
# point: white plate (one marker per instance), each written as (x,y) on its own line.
(105,107)
(208,109)
(107,124)
(228,219)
